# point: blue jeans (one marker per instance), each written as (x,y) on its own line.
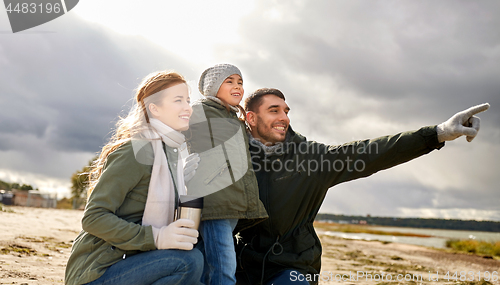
(288,277)
(170,266)
(218,247)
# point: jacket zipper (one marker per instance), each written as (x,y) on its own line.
(271,224)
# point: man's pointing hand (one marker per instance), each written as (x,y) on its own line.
(462,123)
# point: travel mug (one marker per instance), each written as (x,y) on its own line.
(190,208)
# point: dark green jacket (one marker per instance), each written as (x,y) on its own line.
(225,170)
(293,183)
(112,219)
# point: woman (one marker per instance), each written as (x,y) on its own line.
(129,234)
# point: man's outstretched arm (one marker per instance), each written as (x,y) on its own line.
(371,156)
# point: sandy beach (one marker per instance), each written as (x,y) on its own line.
(35,244)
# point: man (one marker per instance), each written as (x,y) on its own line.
(294,175)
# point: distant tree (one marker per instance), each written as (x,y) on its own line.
(64,203)
(25,187)
(4,185)
(9,186)
(80,184)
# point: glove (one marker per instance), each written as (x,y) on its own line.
(190,166)
(462,123)
(177,235)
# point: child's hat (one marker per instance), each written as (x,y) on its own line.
(211,79)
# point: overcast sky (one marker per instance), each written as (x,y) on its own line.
(350,70)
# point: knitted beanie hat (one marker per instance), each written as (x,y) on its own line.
(211,79)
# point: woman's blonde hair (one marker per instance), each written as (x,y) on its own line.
(136,121)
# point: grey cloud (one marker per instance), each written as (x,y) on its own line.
(386,197)
(403,63)
(357,69)
(68,82)
(377,199)
(421,58)
(63,86)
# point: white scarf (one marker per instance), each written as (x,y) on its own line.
(160,204)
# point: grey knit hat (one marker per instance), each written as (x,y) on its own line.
(212,78)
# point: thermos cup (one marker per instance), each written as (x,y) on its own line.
(190,208)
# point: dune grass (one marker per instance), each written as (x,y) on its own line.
(365,229)
(3,208)
(475,247)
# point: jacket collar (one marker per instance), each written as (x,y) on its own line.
(216,103)
(210,103)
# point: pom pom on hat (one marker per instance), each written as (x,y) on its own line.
(211,79)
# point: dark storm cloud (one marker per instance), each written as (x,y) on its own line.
(384,198)
(350,70)
(358,69)
(62,87)
(419,59)
(67,85)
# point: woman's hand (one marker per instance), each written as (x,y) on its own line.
(177,235)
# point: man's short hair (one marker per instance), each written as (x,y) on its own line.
(253,102)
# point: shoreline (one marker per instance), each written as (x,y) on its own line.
(341,257)
(35,246)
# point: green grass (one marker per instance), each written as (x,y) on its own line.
(5,209)
(20,249)
(482,282)
(365,229)
(475,247)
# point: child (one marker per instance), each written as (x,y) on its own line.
(225,175)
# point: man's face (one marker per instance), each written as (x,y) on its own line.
(270,122)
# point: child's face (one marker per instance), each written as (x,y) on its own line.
(231,90)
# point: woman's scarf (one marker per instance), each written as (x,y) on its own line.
(160,204)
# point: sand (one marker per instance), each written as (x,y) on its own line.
(35,245)
(373,262)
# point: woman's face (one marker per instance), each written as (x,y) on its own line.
(173,109)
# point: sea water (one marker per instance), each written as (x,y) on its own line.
(438,239)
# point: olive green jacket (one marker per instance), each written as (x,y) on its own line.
(112,219)
(225,175)
(293,183)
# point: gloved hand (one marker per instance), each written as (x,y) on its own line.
(462,123)
(177,235)
(190,166)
